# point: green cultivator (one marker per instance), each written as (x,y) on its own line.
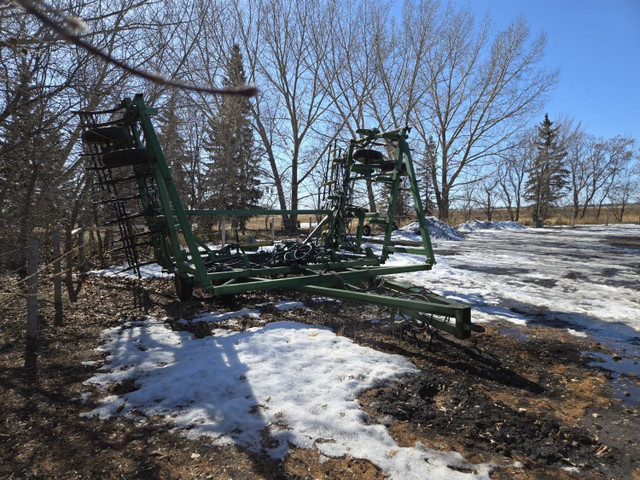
(332,261)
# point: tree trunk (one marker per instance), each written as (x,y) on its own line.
(372,198)
(25,220)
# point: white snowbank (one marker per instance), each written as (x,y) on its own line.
(474,225)
(146,271)
(437,229)
(299,383)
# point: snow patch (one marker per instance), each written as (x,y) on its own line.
(577,333)
(290,305)
(146,271)
(437,229)
(216,317)
(474,225)
(297,382)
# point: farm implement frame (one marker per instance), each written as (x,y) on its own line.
(334,260)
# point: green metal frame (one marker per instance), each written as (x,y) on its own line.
(327,263)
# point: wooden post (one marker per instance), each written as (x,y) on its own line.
(224,232)
(69,264)
(107,240)
(273,229)
(57,280)
(32,294)
(83,254)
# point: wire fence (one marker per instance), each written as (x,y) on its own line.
(24,284)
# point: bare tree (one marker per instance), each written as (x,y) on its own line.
(43,80)
(351,73)
(574,141)
(617,153)
(626,186)
(483,90)
(511,172)
(487,198)
(283,51)
(595,165)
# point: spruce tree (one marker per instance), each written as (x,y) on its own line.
(233,171)
(547,175)
(425,171)
(175,150)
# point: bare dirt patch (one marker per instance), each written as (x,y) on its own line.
(530,403)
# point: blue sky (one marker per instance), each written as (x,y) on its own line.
(596,46)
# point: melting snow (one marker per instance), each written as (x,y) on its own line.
(301,382)
(473,225)
(146,271)
(298,382)
(437,229)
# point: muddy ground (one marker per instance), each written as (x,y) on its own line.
(528,402)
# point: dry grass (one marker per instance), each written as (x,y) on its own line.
(563,216)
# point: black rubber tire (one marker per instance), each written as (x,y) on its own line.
(121,158)
(106,135)
(184,287)
(387,166)
(365,155)
(366,230)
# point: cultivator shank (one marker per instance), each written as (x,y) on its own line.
(333,260)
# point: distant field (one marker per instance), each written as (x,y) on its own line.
(562,217)
(259,227)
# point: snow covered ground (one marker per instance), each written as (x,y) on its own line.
(301,382)
(588,277)
(585,280)
(298,382)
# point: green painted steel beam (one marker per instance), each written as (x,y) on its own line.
(414,251)
(331,278)
(217,277)
(444,308)
(257,212)
(433,304)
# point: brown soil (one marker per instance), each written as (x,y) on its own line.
(531,405)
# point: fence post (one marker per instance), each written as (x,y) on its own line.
(107,239)
(224,232)
(57,280)
(83,254)
(32,294)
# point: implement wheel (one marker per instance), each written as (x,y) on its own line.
(106,135)
(365,155)
(122,158)
(184,287)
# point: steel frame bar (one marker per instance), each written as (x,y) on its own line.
(339,260)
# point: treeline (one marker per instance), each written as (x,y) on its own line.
(324,69)
(559,164)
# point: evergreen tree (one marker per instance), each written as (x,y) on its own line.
(174,148)
(233,171)
(547,174)
(426,173)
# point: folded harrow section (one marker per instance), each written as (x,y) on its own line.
(134,178)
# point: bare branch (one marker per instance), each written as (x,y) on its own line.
(68,27)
